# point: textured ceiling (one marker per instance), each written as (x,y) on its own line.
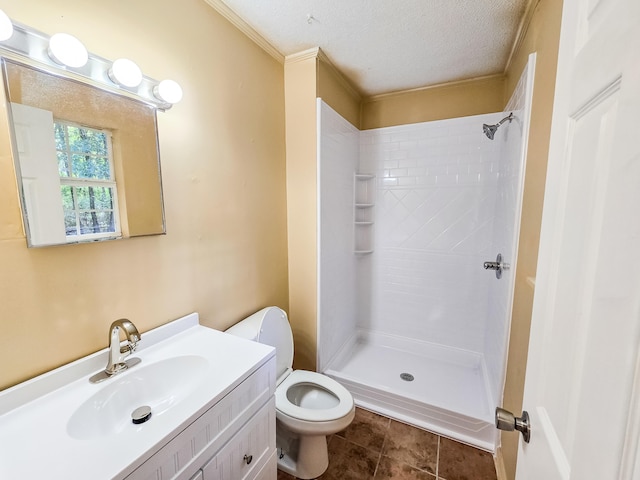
(390,45)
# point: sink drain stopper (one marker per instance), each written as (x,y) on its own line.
(141,414)
(407,377)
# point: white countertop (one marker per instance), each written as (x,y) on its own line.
(34,438)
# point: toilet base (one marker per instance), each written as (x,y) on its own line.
(304,457)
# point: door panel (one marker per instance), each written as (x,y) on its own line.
(582,368)
(36,152)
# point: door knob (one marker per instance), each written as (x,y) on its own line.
(505,420)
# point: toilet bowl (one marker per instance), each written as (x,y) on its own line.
(309,405)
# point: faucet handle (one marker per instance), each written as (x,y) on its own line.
(128,348)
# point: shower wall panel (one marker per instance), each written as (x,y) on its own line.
(506,225)
(338,153)
(434,214)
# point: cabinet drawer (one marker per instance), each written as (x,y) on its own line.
(249,451)
(186,452)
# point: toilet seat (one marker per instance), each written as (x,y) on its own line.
(343,408)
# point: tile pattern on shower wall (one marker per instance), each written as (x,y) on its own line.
(434,218)
(507,208)
(338,158)
(429,296)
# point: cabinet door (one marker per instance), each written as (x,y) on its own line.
(245,454)
(269,470)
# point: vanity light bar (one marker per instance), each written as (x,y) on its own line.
(6,26)
(33,48)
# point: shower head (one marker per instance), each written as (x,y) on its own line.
(490,130)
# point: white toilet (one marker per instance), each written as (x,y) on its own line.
(309,405)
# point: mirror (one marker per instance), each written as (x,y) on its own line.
(87,160)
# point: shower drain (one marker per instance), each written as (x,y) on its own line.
(407,377)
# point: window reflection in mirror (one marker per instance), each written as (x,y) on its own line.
(87,160)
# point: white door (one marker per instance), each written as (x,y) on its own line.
(583,378)
(36,150)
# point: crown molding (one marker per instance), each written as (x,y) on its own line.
(380,96)
(302,56)
(523,28)
(317,54)
(235,19)
(344,82)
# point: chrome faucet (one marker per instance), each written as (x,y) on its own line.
(117,351)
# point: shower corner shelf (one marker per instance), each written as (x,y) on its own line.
(364,195)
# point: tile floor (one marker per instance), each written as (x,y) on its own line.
(374,447)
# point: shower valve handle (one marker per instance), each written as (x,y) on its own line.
(498,266)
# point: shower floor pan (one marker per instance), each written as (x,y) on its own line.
(448,393)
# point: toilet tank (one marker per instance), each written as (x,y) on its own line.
(249,327)
(269,326)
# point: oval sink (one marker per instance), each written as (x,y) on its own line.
(160,385)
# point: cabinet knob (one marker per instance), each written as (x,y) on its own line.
(248,459)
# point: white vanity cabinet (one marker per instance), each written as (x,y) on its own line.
(234,439)
(211,397)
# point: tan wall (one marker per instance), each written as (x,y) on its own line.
(460,99)
(337,93)
(542,37)
(223,164)
(308,75)
(300,106)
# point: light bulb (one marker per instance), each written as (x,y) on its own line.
(6,27)
(168,91)
(126,73)
(66,49)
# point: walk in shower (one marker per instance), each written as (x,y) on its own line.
(410,320)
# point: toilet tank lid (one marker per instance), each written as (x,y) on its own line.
(276,331)
(247,328)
